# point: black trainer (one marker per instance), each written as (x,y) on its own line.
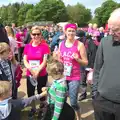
(82,97)
(31,114)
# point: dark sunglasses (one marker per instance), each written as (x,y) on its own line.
(34,34)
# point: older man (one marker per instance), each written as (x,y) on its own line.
(106,78)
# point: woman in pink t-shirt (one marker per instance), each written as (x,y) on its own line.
(73,55)
(35,60)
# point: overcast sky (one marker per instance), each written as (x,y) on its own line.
(92,4)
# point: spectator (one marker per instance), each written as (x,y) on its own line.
(106,80)
(36,66)
(3,35)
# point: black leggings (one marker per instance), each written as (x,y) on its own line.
(42,80)
(20,53)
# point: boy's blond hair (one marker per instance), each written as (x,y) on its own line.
(5,87)
(4,49)
(55,69)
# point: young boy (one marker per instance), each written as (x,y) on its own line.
(9,108)
(57,108)
(9,68)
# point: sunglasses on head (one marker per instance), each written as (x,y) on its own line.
(34,34)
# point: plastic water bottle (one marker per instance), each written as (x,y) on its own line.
(56,48)
(33,81)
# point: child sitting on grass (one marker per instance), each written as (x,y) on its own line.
(9,108)
(57,108)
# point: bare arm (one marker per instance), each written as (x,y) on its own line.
(57,56)
(22,103)
(27,65)
(83,60)
(43,64)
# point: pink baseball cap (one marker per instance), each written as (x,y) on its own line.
(71,25)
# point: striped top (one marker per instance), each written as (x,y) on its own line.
(57,96)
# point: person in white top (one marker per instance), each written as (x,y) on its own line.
(12,39)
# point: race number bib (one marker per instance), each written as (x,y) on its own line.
(67,70)
(34,64)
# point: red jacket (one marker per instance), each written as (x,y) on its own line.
(18,75)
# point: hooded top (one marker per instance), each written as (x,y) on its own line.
(5,108)
(10,109)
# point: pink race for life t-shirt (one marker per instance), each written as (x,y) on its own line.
(71,66)
(36,54)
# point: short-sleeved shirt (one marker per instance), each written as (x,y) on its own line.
(20,39)
(35,55)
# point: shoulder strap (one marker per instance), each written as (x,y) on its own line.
(61,44)
(76,43)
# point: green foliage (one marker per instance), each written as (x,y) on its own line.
(45,10)
(12,14)
(103,13)
(79,14)
(93,20)
(29,16)
(22,13)
(56,11)
(4,14)
(50,10)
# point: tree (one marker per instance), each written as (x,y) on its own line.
(93,20)
(12,14)
(22,13)
(79,14)
(4,15)
(50,10)
(103,13)
(29,16)
(17,6)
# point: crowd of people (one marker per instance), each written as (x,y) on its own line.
(78,56)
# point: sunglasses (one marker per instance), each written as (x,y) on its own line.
(34,34)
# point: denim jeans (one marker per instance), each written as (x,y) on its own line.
(73,89)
